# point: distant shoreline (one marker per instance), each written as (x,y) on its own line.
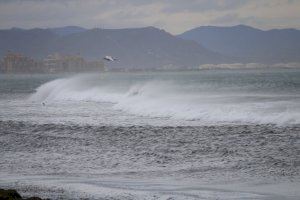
(235,66)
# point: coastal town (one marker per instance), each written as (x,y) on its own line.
(13,63)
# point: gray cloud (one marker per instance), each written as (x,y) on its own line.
(175,16)
(203,5)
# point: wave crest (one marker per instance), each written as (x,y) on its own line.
(173,100)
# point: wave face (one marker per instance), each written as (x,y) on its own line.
(210,97)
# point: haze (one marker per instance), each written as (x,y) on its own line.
(150,99)
(174,16)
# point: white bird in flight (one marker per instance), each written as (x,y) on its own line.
(109,58)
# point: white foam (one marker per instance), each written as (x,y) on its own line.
(120,188)
(177,101)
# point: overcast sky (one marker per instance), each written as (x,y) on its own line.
(175,16)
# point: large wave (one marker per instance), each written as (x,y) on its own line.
(171,99)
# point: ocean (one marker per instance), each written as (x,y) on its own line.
(207,134)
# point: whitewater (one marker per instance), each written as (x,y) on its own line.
(235,98)
(210,134)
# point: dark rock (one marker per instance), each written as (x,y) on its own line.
(9,195)
(14,195)
(33,198)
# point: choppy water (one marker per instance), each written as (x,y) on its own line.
(217,134)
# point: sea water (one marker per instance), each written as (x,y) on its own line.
(214,134)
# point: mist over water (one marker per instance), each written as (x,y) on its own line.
(215,134)
(207,97)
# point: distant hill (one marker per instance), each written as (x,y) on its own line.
(136,48)
(36,43)
(67,30)
(249,44)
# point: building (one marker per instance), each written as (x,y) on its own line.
(54,63)
(1,67)
(18,63)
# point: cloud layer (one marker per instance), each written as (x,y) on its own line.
(174,16)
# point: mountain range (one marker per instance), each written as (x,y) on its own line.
(147,47)
(248,43)
(150,47)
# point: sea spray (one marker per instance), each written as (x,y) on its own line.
(184,99)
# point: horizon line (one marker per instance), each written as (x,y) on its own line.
(141,27)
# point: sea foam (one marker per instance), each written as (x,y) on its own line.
(206,103)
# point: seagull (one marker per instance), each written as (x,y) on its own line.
(109,58)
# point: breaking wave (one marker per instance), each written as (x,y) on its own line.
(205,103)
